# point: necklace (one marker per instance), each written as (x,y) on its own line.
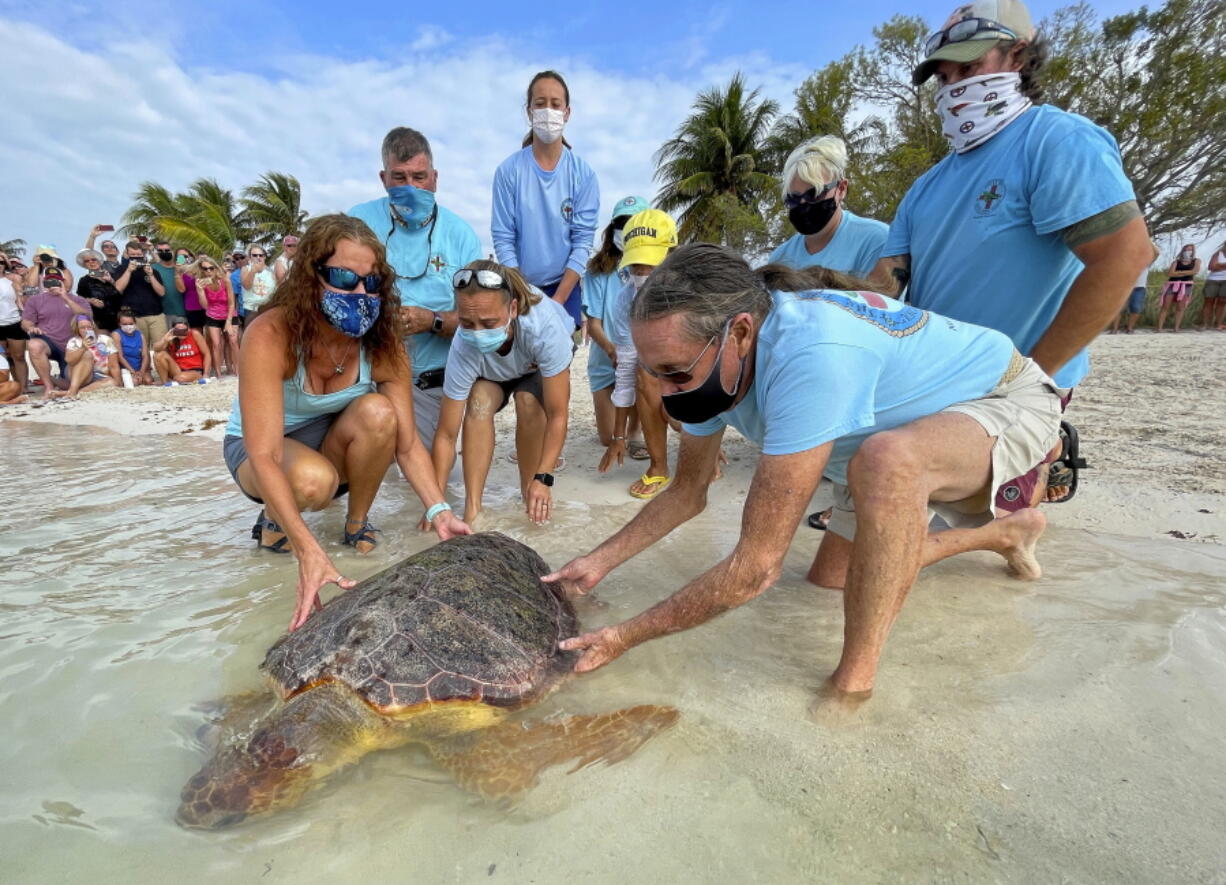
(340,366)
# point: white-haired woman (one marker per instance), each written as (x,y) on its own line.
(258,279)
(827,234)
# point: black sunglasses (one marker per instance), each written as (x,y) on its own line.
(963,30)
(346,280)
(812,195)
(486,279)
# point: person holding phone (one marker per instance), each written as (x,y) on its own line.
(142,291)
(91,359)
(48,265)
(47,318)
(218,298)
(259,280)
(12,335)
(98,288)
(182,355)
(111,262)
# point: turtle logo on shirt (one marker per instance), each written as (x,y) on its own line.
(568,210)
(892,317)
(989,197)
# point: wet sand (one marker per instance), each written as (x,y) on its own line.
(1065,730)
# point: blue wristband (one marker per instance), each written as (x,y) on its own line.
(436,510)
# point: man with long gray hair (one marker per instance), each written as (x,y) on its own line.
(426,244)
(907,412)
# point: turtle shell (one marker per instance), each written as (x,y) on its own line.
(467,619)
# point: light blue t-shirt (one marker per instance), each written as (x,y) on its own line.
(843,365)
(983,228)
(617,314)
(425,262)
(544,222)
(597,289)
(542,341)
(853,249)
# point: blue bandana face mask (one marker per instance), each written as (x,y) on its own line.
(352,313)
(412,205)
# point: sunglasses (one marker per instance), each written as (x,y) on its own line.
(812,195)
(486,279)
(207,267)
(258,255)
(964,30)
(686,375)
(346,280)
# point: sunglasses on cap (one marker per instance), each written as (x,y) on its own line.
(686,375)
(345,280)
(486,279)
(964,30)
(812,195)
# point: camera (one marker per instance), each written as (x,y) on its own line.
(45,258)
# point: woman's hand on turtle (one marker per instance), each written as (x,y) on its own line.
(599,648)
(448,525)
(615,451)
(577,577)
(315,570)
(539,502)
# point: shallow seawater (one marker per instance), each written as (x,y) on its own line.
(1069,730)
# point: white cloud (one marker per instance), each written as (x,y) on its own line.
(431,37)
(96,123)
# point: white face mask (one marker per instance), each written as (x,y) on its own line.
(619,240)
(126,329)
(975,109)
(638,281)
(547,124)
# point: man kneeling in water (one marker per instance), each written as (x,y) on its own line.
(906,412)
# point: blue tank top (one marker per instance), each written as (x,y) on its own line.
(133,347)
(301,407)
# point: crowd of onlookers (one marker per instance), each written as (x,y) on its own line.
(151,314)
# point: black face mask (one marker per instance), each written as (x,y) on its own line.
(708,399)
(165,254)
(809,218)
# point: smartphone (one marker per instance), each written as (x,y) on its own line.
(102,227)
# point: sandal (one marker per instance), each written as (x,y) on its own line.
(365,534)
(1064,470)
(264,524)
(637,450)
(821,519)
(655,484)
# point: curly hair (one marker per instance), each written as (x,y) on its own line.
(521,290)
(298,296)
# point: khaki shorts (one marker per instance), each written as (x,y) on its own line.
(153,327)
(1022,413)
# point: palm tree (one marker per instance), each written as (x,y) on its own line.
(204,219)
(712,170)
(15,248)
(272,207)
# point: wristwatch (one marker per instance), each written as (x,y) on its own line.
(437,325)
(545,479)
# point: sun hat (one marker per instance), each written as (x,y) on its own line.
(629,206)
(88,253)
(47,249)
(648,237)
(1011,15)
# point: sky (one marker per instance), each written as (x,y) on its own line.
(102,97)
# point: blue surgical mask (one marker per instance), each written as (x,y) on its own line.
(352,313)
(486,340)
(412,205)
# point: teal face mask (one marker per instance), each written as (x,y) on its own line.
(486,340)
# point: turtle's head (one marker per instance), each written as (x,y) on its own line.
(262,773)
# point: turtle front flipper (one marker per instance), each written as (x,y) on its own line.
(505,761)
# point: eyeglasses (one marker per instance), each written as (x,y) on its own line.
(486,279)
(812,195)
(346,280)
(964,30)
(686,375)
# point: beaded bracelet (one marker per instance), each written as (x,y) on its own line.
(436,510)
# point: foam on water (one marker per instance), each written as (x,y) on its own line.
(1064,731)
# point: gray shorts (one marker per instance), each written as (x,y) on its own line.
(1022,413)
(311,434)
(426,407)
(1215,289)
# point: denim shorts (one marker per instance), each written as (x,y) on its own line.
(310,434)
(1136,300)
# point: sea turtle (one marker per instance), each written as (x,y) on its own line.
(435,650)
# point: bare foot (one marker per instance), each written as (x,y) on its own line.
(471,514)
(834,706)
(1020,535)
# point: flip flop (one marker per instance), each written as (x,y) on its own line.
(655,485)
(1064,470)
(637,450)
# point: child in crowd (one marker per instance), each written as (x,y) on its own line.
(511,342)
(132,350)
(91,359)
(601,284)
(649,236)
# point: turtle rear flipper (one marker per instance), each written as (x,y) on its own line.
(505,761)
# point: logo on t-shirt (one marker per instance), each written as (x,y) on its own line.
(894,317)
(568,209)
(438,263)
(990,197)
